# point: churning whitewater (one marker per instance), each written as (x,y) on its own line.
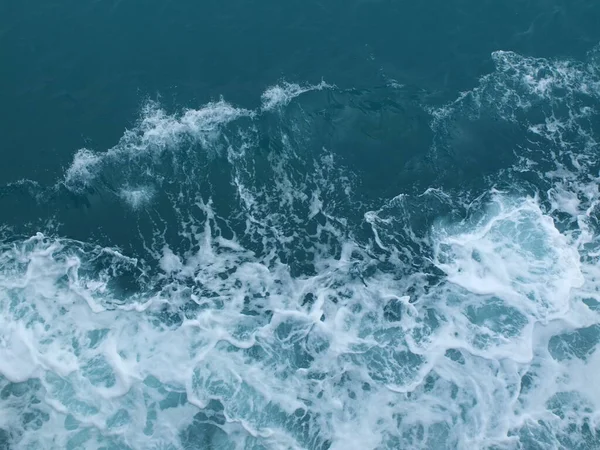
(259,296)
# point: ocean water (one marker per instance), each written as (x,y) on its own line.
(335,225)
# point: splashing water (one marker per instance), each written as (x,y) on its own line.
(265,302)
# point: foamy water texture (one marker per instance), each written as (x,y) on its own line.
(273,307)
(280,95)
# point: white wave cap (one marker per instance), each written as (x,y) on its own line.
(280,95)
(155,132)
(137,196)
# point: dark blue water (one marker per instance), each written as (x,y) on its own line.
(299,225)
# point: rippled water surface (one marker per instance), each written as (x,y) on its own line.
(299,225)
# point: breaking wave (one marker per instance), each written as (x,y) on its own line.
(260,299)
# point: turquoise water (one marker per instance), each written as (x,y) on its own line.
(299,225)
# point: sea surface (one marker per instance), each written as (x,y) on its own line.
(316,224)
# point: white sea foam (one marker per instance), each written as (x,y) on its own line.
(280,95)
(478,329)
(155,133)
(365,372)
(83,169)
(137,197)
(517,254)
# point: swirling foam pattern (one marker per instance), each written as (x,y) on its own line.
(265,298)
